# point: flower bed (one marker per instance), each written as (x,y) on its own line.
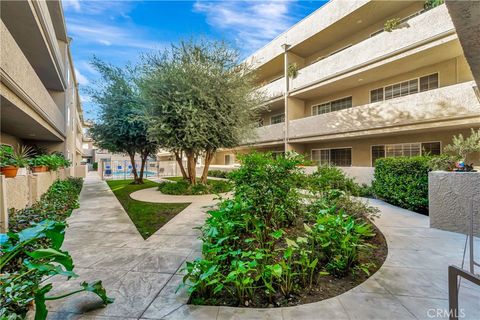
(270,246)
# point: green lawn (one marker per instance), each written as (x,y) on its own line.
(148,217)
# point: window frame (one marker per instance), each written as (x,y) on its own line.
(402,143)
(400,82)
(276,115)
(330,155)
(330,103)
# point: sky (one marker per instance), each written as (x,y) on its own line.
(119,31)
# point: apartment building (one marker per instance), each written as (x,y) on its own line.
(344,92)
(40,104)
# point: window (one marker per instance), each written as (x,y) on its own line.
(376,95)
(431,148)
(429,82)
(341,157)
(404,88)
(279,118)
(332,106)
(405,150)
(228,159)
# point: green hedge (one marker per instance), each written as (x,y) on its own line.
(403,182)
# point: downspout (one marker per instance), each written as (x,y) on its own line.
(285,95)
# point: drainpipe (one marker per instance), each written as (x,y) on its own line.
(285,48)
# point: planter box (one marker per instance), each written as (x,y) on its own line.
(449,195)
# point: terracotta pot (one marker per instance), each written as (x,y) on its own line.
(10,171)
(39,169)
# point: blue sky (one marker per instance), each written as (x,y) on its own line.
(119,31)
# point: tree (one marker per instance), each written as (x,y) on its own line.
(120,128)
(200,98)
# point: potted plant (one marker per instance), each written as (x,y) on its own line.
(21,157)
(7,163)
(462,147)
(39,164)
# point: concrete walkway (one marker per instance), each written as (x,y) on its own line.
(143,275)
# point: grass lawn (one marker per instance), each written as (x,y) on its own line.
(182,187)
(148,217)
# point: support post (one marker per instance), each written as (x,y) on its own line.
(285,95)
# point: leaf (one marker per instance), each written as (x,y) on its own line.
(277,270)
(41,311)
(277,234)
(51,254)
(291,243)
(97,288)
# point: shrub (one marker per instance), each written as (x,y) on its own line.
(328,178)
(391,24)
(403,182)
(56,204)
(95,166)
(183,187)
(218,174)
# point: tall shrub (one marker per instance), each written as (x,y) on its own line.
(403,182)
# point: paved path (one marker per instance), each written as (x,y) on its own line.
(142,275)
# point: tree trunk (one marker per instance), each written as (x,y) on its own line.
(191,167)
(178,157)
(142,168)
(208,158)
(134,170)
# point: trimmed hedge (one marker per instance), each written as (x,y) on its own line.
(403,182)
(218,174)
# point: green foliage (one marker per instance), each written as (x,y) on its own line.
(328,178)
(183,187)
(15,157)
(292,70)
(391,24)
(218,174)
(120,127)
(200,98)
(95,166)
(265,244)
(444,162)
(148,217)
(56,204)
(52,161)
(430,4)
(403,182)
(463,147)
(27,257)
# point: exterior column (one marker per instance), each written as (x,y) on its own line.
(285,95)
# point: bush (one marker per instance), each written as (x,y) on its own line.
(266,247)
(95,166)
(218,174)
(183,187)
(56,204)
(328,178)
(403,182)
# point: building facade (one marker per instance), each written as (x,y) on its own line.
(343,91)
(40,104)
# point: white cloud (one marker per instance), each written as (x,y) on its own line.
(252,23)
(71,4)
(85,98)
(92,31)
(81,79)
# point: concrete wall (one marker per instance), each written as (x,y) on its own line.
(450,196)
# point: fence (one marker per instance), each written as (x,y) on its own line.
(123,169)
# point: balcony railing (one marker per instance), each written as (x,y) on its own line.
(420,29)
(274,89)
(443,104)
(266,134)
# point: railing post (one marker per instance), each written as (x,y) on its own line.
(452,293)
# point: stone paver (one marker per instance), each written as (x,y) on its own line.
(143,275)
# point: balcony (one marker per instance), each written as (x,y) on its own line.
(267,134)
(274,89)
(427,109)
(422,29)
(20,77)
